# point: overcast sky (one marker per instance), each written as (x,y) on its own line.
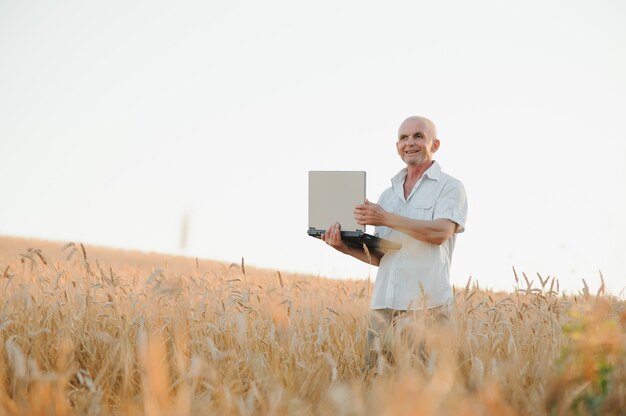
(119,118)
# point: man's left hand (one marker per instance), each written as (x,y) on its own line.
(370,214)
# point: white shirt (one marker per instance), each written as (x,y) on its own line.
(418,275)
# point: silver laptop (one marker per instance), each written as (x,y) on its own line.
(332,198)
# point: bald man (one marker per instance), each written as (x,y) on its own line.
(423,210)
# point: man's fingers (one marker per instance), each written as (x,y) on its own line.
(337,234)
(328,235)
(360,212)
(360,216)
(332,236)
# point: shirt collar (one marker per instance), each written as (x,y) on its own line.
(433,172)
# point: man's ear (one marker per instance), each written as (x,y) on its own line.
(435,145)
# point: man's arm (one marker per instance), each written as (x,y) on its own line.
(433,232)
(332,237)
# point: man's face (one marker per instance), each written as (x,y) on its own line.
(416,142)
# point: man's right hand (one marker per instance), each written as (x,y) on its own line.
(332,237)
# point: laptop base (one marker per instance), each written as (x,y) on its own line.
(358,238)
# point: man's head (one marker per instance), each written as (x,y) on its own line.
(417,141)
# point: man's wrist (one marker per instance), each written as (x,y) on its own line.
(343,248)
(387,219)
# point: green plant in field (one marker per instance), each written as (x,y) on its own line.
(586,365)
(593,400)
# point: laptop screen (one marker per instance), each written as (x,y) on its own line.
(332,198)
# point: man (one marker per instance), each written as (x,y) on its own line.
(423,210)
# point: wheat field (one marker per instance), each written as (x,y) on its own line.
(92,331)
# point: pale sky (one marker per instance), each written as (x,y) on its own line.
(118,117)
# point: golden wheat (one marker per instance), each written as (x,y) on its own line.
(91,331)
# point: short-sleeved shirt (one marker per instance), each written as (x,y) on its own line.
(417,276)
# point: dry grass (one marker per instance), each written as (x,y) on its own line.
(106,332)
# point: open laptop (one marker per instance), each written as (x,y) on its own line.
(332,198)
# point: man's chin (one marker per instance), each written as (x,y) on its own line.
(412,160)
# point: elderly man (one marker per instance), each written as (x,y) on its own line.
(423,210)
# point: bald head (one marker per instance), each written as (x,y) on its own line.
(417,141)
(426,123)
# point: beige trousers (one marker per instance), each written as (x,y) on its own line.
(387,323)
